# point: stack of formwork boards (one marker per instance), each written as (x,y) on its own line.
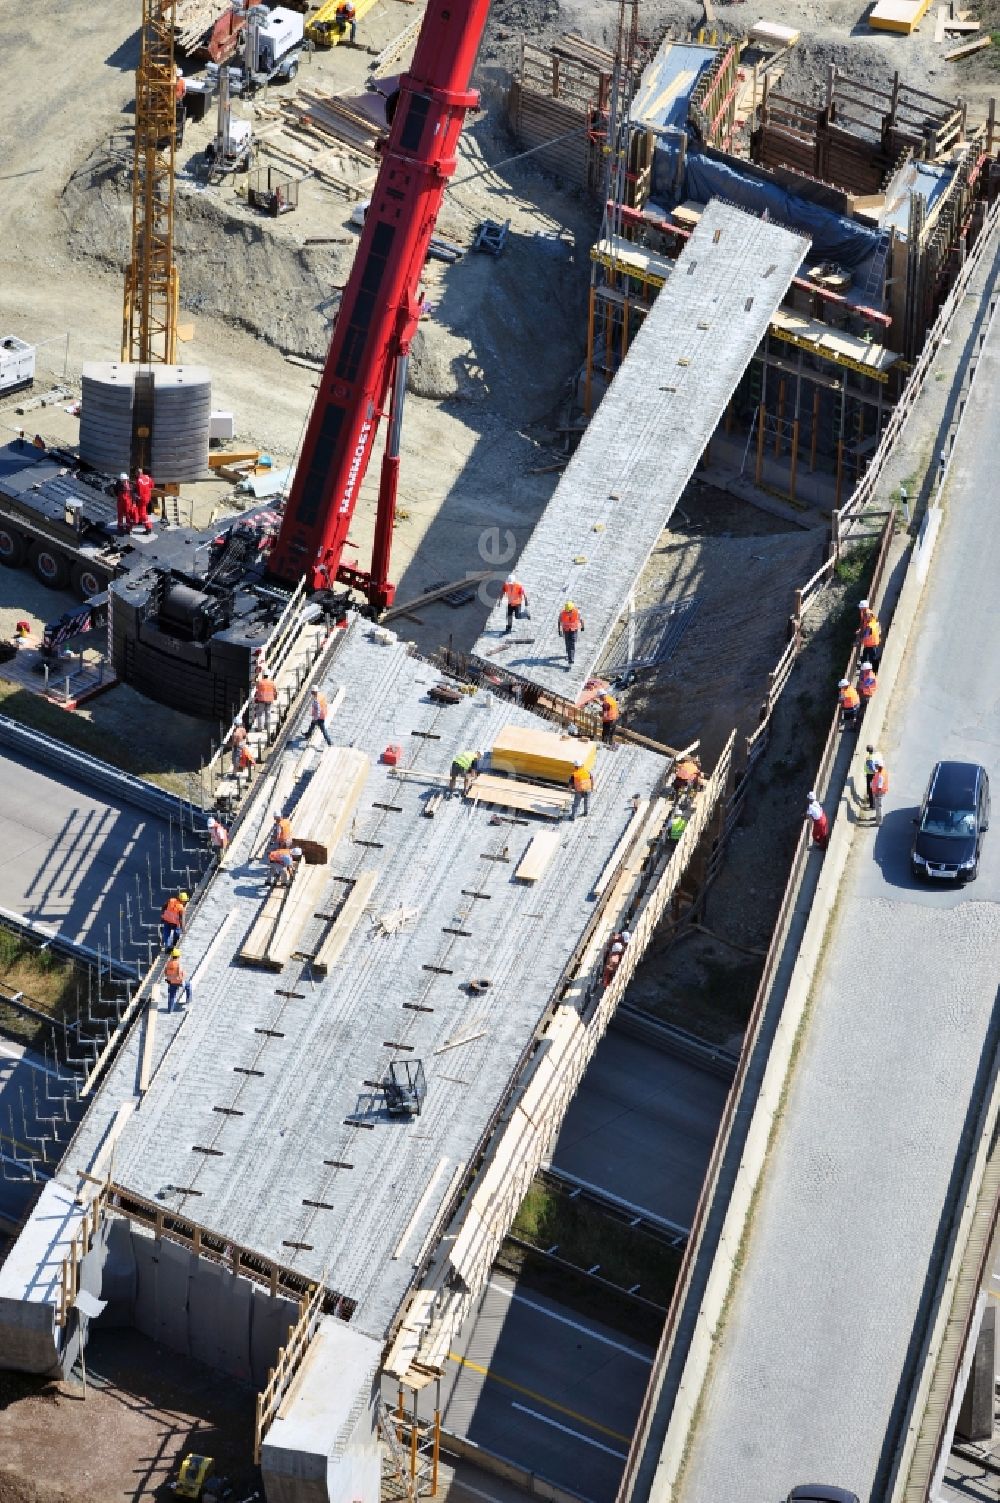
(325,117)
(193,18)
(319,821)
(531,753)
(527,798)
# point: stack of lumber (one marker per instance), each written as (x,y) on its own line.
(193,18)
(319,821)
(540,754)
(283,916)
(527,798)
(325,117)
(323,813)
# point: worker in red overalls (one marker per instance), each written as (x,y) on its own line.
(143,500)
(126,502)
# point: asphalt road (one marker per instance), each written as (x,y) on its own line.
(68,856)
(807,1373)
(533,1382)
(641,1126)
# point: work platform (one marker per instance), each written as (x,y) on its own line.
(262,1119)
(641,447)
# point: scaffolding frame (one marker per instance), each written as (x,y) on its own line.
(149,320)
(412,1456)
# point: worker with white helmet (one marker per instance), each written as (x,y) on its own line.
(816,815)
(516,596)
(583,785)
(125,502)
(880,787)
(850,705)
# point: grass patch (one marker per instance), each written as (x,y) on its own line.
(583,1235)
(50,985)
(83,735)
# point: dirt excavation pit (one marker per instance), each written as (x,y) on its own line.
(145,1408)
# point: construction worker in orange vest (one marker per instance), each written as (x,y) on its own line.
(880,787)
(688,776)
(850,705)
(609,718)
(177,982)
(869,634)
(347,16)
(265,695)
(867,683)
(318,710)
(281,832)
(517,600)
(282,861)
(583,787)
(570,625)
(172,919)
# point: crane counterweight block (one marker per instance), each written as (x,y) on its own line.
(379,312)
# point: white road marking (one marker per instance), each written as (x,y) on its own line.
(564,1320)
(477,1492)
(576,1434)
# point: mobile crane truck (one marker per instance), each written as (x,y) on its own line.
(187,612)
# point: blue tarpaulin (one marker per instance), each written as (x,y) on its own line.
(833,237)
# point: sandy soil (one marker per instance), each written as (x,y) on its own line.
(145,1408)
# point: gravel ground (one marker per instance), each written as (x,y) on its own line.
(145,1408)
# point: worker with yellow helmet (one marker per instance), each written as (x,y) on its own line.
(570,625)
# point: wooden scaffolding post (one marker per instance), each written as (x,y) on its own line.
(589,377)
(795,458)
(780,418)
(840,471)
(814,432)
(761,422)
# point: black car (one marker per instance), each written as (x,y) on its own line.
(954,817)
(818,1492)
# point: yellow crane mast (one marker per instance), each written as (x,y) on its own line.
(149,325)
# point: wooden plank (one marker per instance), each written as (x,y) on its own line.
(541,848)
(257,945)
(345,923)
(614,860)
(101,1161)
(148,1040)
(510,794)
(437,593)
(301,902)
(325,810)
(968,49)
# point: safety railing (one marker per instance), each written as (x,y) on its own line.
(287,1364)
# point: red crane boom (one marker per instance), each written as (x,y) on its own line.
(378,315)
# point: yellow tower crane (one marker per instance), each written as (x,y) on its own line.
(149,325)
